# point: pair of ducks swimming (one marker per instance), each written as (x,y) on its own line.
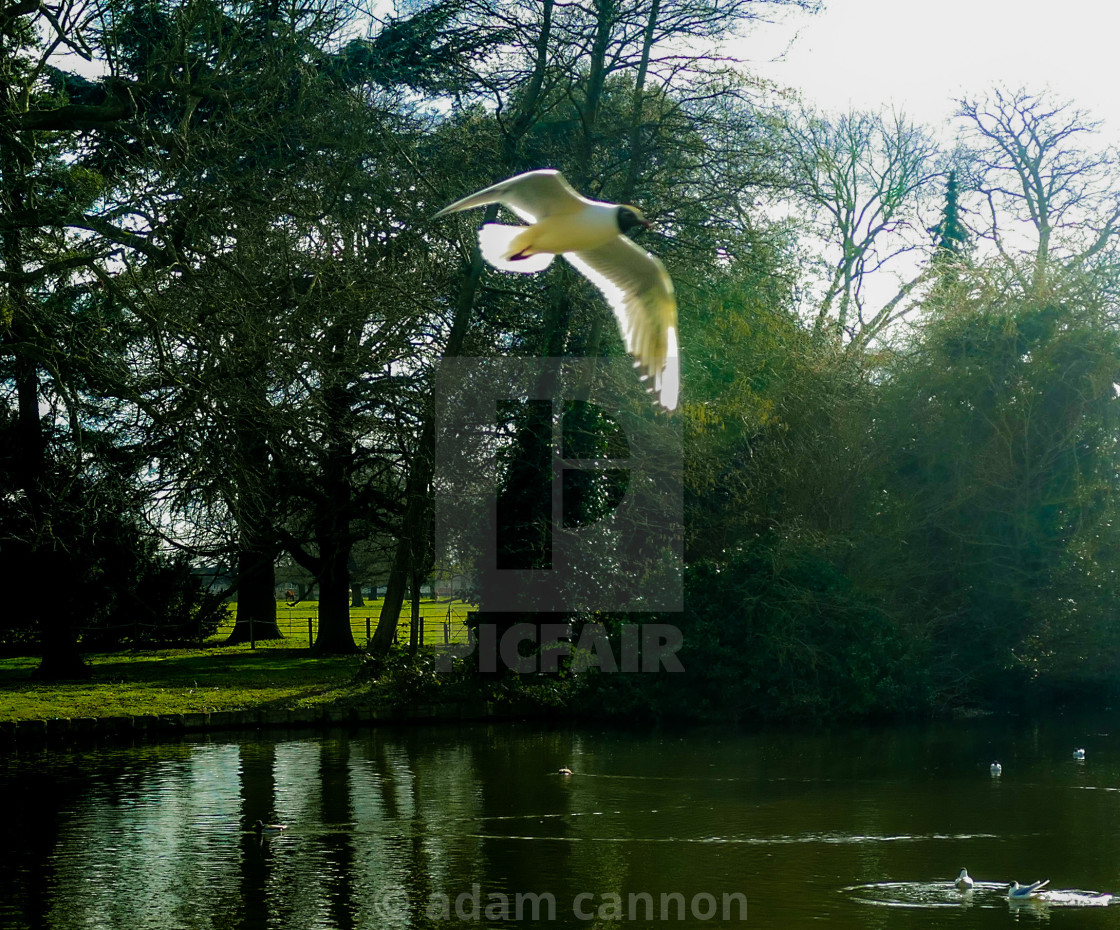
(1015,891)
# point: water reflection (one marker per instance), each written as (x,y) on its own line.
(473,827)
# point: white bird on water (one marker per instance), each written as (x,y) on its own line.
(996,769)
(1079,754)
(1017,892)
(964,881)
(590,236)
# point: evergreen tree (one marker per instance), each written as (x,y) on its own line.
(952,235)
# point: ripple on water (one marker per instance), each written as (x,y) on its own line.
(828,839)
(983,894)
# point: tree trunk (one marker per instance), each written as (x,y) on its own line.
(256,591)
(416,638)
(605,11)
(333,529)
(356,598)
(637,152)
(386,633)
(256,553)
(527,112)
(335,635)
(61,658)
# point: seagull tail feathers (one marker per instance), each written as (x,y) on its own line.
(495,241)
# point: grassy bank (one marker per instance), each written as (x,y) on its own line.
(208,681)
(179,681)
(276,674)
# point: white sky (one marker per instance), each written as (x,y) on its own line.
(923,56)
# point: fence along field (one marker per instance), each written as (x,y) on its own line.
(444,621)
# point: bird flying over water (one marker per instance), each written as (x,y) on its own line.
(1079,754)
(590,236)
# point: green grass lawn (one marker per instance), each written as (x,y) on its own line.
(278,673)
(177,681)
(444,621)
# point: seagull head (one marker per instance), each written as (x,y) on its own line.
(629,217)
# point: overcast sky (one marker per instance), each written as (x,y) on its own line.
(922,56)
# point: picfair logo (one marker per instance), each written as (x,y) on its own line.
(558,486)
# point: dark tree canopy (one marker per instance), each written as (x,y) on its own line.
(224,308)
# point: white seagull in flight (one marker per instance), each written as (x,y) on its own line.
(589,234)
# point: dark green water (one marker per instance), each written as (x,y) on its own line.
(443,827)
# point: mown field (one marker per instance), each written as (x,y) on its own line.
(277,673)
(444,621)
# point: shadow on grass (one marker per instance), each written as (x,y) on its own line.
(177,681)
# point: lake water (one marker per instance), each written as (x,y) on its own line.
(454,827)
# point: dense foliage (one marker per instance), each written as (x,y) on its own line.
(223,308)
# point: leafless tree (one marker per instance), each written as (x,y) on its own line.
(1049,197)
(862,180)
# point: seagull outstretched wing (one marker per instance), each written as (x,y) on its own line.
(640,292)
(533,196)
